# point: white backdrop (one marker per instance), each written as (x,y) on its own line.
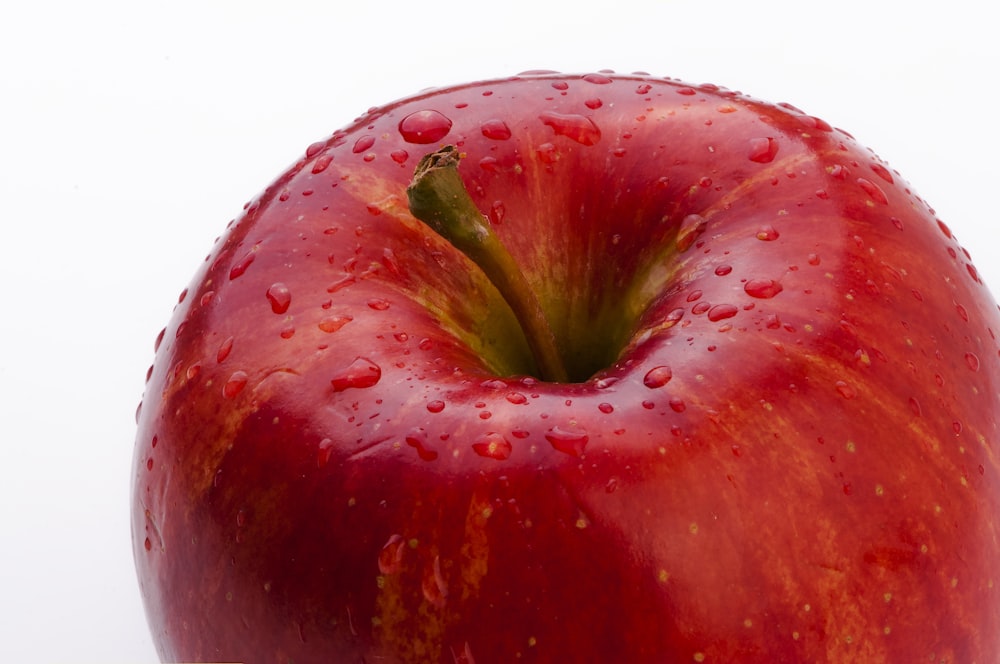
(132,131)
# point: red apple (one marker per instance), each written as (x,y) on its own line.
(764,426)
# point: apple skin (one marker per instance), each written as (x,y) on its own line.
(780,445)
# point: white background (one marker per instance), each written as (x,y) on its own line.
(132,131)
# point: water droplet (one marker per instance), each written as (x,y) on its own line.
(593,103)
(423,127)
(279,296)
(314,148)
(762,288)
(516,398)
(241,265)
(496,130)
(321,163)
(963,313)
(547,153)
(723,270)
(873,190)
(569,441)
(972,360)
(597,79)
(343,282)
(433,585)
(334,323)
(497,213)
(845,390)
(287,332)
(235,384)
(362,144)
(657,377)
(882,172)
(722,312)
(763,150)
(224,349)
(435,406)
(605,408)
(686,91)
(417,439)
(814,123)
(399,156)
(360,373)
(323,452)
(701,308)
(677,404)
(493,446)
(390,558)
(378,304)
(767,233)
(692,226)
(575,127)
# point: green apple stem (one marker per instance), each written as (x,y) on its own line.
(439,198)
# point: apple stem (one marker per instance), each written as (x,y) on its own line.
(438,198)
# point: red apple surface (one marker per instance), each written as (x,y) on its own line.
(774,437)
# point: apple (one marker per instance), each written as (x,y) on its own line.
(576,368)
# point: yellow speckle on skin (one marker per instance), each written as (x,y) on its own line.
(954,582)
(795,636)
(581,523)
(851,447)
(693,528)
(747,623)
(807,608)
(663,576)
(879,490)
(886,630)
(887,597)
(699,657)
(532,641)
